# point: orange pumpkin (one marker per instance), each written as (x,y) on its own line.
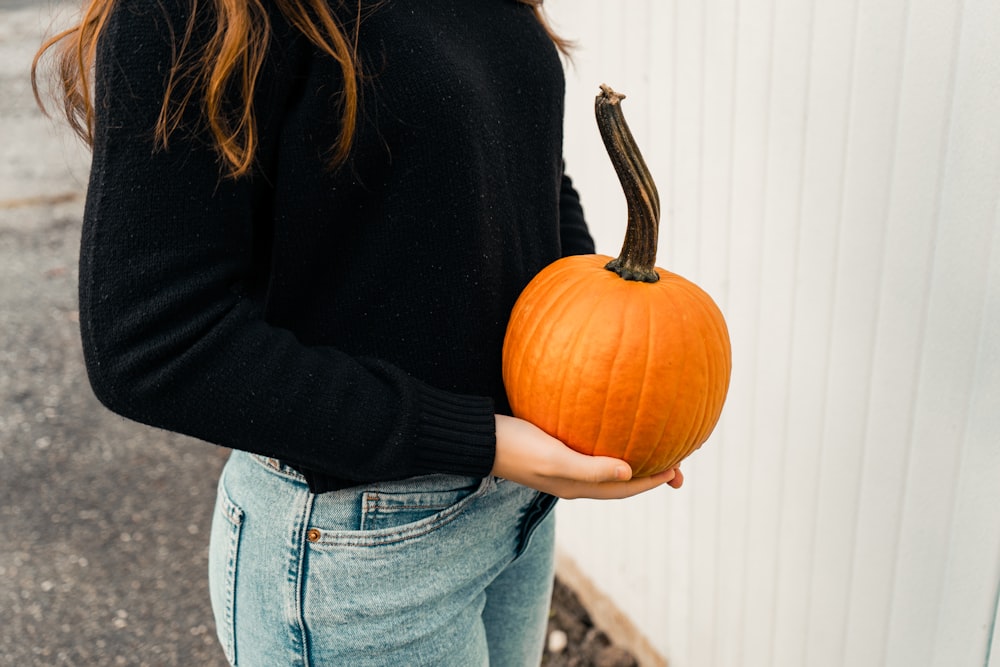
(616,357)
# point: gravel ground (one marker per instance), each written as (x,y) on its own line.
(574,641)
(103,523)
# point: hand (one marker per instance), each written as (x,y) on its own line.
(527,455)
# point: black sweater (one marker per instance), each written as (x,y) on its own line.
(349,321)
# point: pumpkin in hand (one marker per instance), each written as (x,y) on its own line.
(616,357)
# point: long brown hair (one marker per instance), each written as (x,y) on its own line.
(233,55)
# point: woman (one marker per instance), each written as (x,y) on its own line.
(306,226)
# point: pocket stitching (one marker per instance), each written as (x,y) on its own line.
(397,534)
(234,515)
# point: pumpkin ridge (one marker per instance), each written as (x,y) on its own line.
(714,319)
(615,369)
(549,281)
(681,446)
(607,288)
(709,410)
(671,298)
(714,338)
(608,394)
(643,388)
(701,413)
(721,368)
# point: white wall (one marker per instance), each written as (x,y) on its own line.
(830,172)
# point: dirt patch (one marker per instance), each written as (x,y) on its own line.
(574,641)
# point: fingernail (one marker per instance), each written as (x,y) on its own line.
(621,472)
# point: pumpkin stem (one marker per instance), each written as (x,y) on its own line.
(637,260)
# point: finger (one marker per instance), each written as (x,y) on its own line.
(620,490)
(590,469)
(678,479)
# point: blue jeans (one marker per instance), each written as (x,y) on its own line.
(441,570)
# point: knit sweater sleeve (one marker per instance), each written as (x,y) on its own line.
(576,239)
(172,325)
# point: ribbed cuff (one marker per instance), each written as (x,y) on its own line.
(456,433)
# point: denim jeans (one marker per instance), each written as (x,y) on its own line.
(441,570)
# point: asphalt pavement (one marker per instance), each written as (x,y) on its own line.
(103,523)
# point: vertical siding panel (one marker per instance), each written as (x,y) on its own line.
(585,162)
(585,158)
(709,268)
(993,652)
(752,506)
(676,639)
(731,457)
(684,198)
(972,575)
(827,111)
(949,363)
(662,102)
(920,134)
(789,90)
(872,115)
(993,656)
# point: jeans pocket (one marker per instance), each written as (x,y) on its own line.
(395,512)
(387,509)
(227,525)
